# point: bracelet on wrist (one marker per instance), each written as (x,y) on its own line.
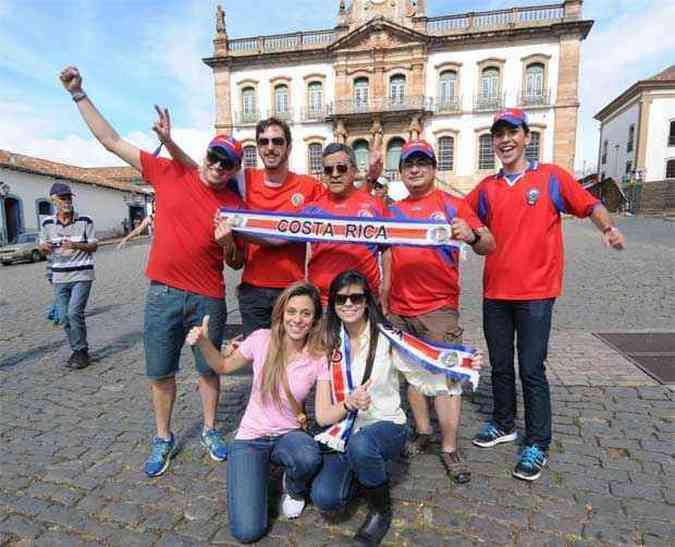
(608,229)
(78,96)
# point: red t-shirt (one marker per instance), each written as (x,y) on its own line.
(269,266)
(184,253)
(525,222)
(424,279)
(327,260)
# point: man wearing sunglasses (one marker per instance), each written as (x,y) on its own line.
(185,265)
(343,199)
(422,291)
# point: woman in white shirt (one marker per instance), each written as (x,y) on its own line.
(379,431)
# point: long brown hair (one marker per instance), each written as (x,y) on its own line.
(276,359)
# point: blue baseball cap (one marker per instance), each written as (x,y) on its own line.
(60,189)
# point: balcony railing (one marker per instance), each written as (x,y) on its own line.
(383,104)
(295,41)
(535,98)
(445,105)
(283,115)
(491,20)
(490,103)
(248,117)
(314,114)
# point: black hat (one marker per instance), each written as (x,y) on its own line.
(60,189)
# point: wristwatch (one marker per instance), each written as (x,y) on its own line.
(78,96)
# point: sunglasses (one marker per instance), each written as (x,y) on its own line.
(356,299)
(341,169)
(378,186)
(420,164)
(216,161)
(276,141)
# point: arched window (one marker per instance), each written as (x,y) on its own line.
(446,154)
(250,156)
(631,138)
(489,82)
(281,100)
(314,98)
(314,158)
(361,149)
(486,154)
(44,209)
(447,89)
(534,83)
(670,169)
(533,149)
(248,104)
(361,88)
(393,156)
(397,89)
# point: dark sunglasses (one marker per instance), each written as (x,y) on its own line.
(356,299)
(378,186)
(341,168)
(225,164)
(276,141)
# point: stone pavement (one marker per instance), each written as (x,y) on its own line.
(72,444)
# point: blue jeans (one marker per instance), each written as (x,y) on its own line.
(248,465)
(71,299)
(255,306)
(364,461)
(169,315)
(530,322)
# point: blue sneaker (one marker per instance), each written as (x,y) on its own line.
(215,445)
(532,461)
(491,435)
(160,456)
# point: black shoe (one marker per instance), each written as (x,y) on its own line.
(69,362)
(378,520)
(80,359)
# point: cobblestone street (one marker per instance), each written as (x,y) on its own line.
(72,443)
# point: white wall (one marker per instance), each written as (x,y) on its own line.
(615,132)
(661,113)
(104,205)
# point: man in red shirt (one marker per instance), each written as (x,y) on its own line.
(421,291)
(268,269)
(185,266)
(342,199)
(522,205)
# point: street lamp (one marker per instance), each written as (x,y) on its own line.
(4,192)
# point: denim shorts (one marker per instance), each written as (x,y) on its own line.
(169,315)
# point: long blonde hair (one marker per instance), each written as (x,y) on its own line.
(276,359)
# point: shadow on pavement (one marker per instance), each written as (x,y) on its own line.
(35,353)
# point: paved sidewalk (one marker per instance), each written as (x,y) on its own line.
(72,444)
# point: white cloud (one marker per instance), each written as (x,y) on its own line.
(636,43)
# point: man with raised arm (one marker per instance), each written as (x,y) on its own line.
(522,206)
(185,265)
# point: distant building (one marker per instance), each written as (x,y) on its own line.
(637,131)
(109,194)
(387,73)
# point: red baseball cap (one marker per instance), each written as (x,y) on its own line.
(417,147)
(513,116)
(227,145)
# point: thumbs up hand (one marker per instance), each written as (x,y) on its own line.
(198,334)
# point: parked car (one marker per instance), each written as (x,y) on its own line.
(26,247)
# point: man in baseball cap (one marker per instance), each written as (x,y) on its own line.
(60,189)
(510,117)
(419,148)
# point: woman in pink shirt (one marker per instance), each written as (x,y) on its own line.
(289,356)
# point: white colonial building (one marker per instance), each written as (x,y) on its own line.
(108,195)
(387,73)
(637,131)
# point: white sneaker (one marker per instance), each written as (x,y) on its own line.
(290,507)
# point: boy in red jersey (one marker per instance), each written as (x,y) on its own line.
(522,205)
(185,265)
(342,199)
(421,291)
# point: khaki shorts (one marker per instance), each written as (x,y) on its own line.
(441,325)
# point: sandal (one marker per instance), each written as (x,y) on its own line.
(419,444)
(455,467)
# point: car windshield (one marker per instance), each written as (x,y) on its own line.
(25,238)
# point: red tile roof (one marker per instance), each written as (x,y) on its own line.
(117,178)
(665,75)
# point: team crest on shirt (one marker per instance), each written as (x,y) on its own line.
(365,213)
(297,199)
(438,216)
(532,196)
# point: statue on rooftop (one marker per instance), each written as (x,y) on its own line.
(220,20)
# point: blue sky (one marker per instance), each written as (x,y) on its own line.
(135,53)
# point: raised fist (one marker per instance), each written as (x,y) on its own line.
(71,79)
